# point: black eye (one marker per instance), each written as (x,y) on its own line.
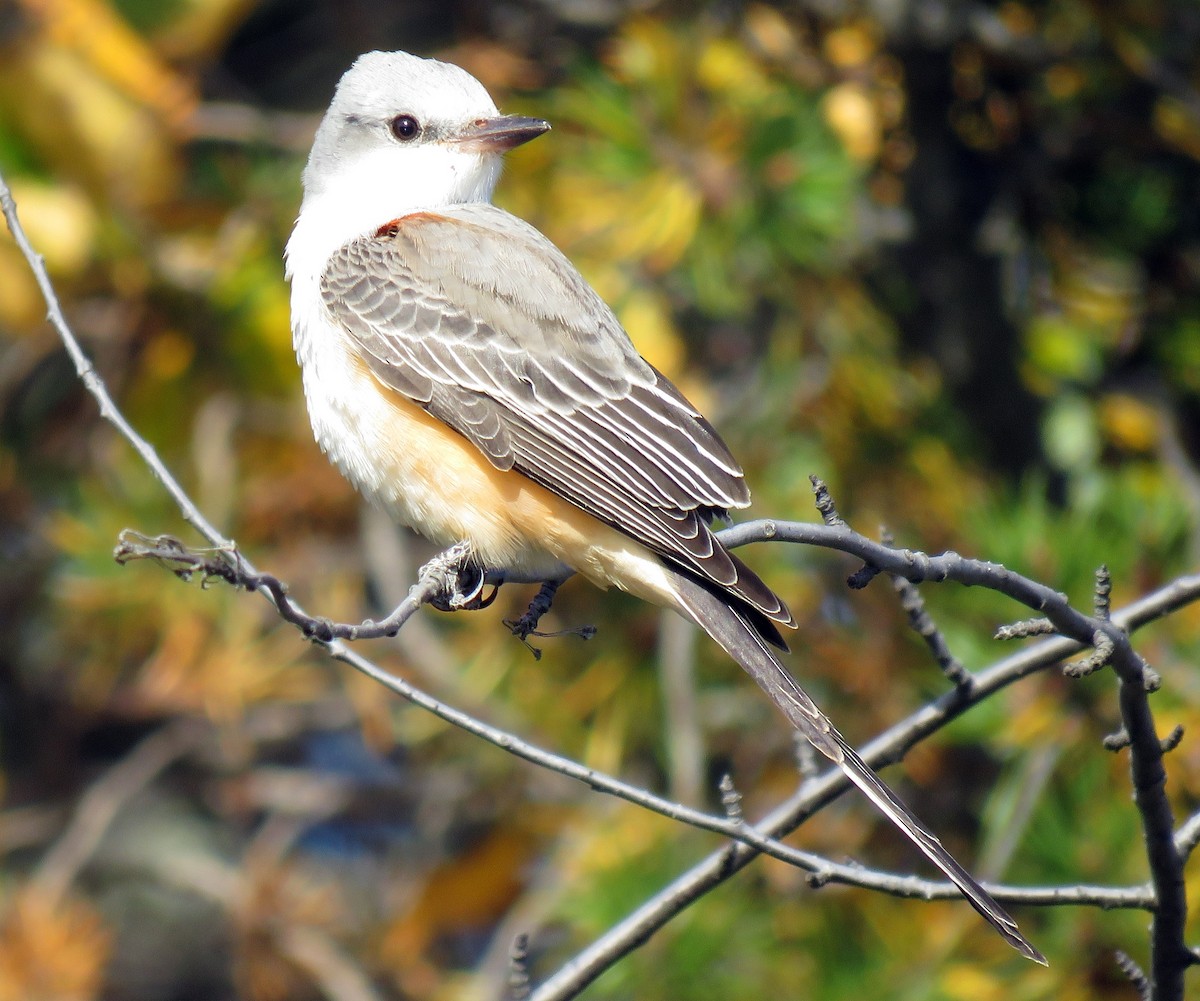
(405,127)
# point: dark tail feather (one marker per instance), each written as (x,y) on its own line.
(736,633)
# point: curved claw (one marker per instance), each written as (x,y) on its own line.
(454,597)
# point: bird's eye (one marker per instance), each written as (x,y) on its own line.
(405,128)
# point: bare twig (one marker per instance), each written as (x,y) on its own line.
(921,622)
(439,583)
(1188,835)
(518,975)
(1102,598)
(92,381)
(225,562)
(1136,977)
(1025,629)
(731,799)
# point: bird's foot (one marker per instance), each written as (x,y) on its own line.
(462,582)
(526,625)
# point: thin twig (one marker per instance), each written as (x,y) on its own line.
(921,622)
(1188,835)
(1137,978)
(438,583)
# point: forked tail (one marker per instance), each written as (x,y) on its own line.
(734,631)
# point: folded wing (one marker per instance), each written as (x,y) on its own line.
(476,316)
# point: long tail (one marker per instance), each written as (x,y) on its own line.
(734,631)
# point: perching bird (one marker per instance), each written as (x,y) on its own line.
(463,375)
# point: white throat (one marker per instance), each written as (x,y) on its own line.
(371,190)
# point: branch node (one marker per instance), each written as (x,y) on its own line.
(816,880)
(1134,973)
(862,577)
(825,505)
(1117,741)
(519,986)
(731,799)
(318,629)
(923,625)
(1100,657)
(1172,740)
(1025,629)
(1102,597)
(1151,679)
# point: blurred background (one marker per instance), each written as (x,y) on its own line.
(944,255)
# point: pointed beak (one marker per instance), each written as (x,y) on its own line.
(498,135)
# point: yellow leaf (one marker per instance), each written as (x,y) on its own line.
(646,52)
(1018,18)
(116,53)
(771,31)
(727,68)
(200,28)
(851,113)
(1063,82)
(59,221)
(51,948)
(1129,422)
(972,983)
(850,46)
(82,125)
(1175,122)
(651,221)
(71,535)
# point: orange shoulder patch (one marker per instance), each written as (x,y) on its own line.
(389,229)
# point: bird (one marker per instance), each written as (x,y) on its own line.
(464,376)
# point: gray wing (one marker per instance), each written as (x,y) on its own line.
(476,316)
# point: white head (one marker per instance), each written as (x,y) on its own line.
(403,134)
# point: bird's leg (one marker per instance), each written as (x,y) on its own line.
(528,622)
(526,625)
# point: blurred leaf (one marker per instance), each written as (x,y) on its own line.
(80,121)
(51,948)
(92,30)
(1071,436)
